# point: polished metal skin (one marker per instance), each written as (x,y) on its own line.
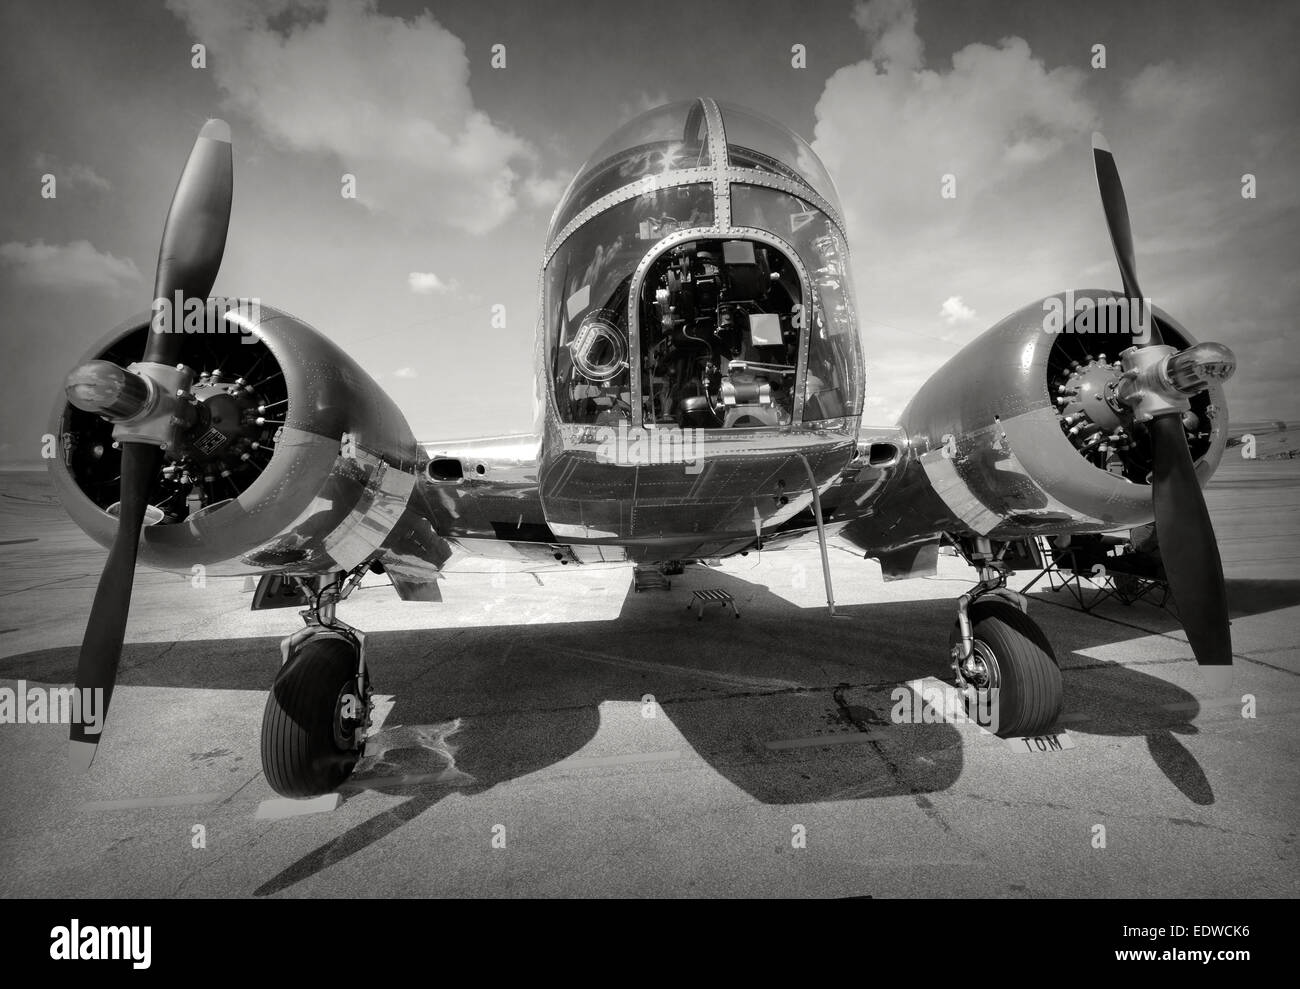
(988,454)
(980,451)
(700,387)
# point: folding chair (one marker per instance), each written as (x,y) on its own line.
(1083,558)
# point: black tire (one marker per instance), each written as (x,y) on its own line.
(1023,666)
(301,754)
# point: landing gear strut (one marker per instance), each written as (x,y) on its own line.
(1003,663)
(318,711)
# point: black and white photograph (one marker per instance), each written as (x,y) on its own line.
(697,450)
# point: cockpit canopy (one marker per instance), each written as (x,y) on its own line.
(676,137)
(696,275)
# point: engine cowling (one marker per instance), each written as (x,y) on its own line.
(1020,432)
(297,461)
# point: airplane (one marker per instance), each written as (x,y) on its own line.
(699,394)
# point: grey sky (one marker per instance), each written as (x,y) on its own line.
(458,166)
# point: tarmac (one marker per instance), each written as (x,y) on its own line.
(564,735)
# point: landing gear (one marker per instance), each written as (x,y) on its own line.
(318,711)
(1004,664)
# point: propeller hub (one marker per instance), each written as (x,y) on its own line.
(170,413)
(107,390)
(1201,365)
(1158,380)
(1145,387)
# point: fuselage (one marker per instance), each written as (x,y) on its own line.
(698,361)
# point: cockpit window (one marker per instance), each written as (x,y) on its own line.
(747,324)
(720,335)
(587,284)
(662,140)
(754,141)
(834,350)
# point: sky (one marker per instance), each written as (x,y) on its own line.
(459,164)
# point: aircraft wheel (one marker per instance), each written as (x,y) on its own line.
(1010,653)
(313,728)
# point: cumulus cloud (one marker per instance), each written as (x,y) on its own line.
(544,192)
(389,97)
(954,311)
(75,174)
(406,372)
(891,130)
(640,102)
(428,283)
(73,266)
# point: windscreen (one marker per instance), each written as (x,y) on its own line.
(832,383)
(586,298)
(660,141)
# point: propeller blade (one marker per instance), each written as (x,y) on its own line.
(101,648)
(194,233)
(1116,208)
(1188,546)
(1187,542)
(193,242)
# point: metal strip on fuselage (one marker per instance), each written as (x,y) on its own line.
(699,176)
(718,164)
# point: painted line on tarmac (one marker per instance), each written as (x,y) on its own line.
(1195,705)
(173,800)
(1205,706)
(280,808)
(627,759)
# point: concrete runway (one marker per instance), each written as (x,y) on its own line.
(515,711)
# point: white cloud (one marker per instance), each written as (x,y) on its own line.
(72,266)
(389,97)
(542,192)
(640,102)
(428,283)
(954,311)
(890,128)
(406,372)
(75,175)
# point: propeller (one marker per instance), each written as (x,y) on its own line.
(1156,379)
(140,401)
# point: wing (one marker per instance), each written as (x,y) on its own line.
(482,496)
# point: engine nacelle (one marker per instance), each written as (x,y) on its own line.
(297,462)
(1022,431)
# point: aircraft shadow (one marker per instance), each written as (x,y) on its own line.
(474,707)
